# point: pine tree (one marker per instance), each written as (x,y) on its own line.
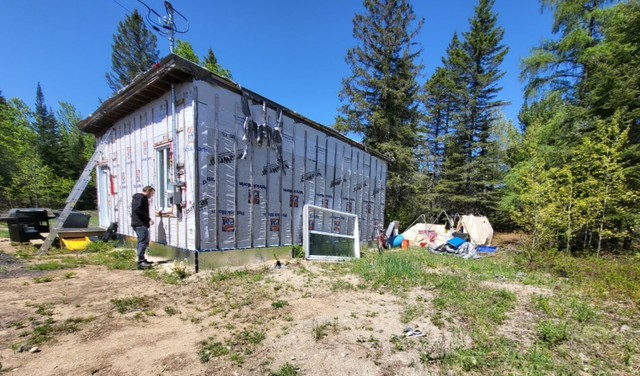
(561,65)
(211,63)
(381,96)
(184,49)
(49,135)
(133,51)
(471,171)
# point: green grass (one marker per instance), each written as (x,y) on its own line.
(610,278)
(286,369)
(4,230)
(240,344)
(228,275)
(320,331)
(131,303)
(51,265)
(587,301)
(279,304)
(120,259)
(44,332)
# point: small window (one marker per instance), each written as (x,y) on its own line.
(163,184)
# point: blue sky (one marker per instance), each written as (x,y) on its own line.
(290,51)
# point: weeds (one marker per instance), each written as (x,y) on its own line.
(551,333)
(98,246)
(319,331)
(297,251)
(44,309)
(179,273)
(45,331)
(171,310)
(286,369)
(279,304)
(132,303)
(44,279)
(120,259)
(52,265)
(240,344)
(209,349)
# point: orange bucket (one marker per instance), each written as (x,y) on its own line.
(405,243)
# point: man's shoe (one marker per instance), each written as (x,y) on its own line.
(142,265)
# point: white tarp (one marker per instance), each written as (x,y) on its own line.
(428,233)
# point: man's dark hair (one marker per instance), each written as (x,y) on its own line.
(148,188)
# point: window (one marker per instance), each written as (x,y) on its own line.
(163,174)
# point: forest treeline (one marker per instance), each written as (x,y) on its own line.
(567,173)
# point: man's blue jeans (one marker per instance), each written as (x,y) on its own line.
(143,241)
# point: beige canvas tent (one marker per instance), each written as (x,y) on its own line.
(478,228)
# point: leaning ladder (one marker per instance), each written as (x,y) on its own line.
(76,192)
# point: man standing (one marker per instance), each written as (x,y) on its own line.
(140,221)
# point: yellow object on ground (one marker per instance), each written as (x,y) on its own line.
(75,244)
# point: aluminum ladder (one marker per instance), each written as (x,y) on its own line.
(76,192)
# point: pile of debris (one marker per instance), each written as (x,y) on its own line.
(464,235)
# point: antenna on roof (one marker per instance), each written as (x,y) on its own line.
(165,25)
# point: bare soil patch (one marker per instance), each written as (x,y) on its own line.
(259,318)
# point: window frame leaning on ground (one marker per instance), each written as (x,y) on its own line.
(332,225)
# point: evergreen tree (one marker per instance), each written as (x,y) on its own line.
(49,136)
(561,65)
(441,103)
(185,50)
(211,63)
(381,96)
(470,173)
(133,51)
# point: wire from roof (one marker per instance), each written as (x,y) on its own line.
(162,25)
(122,6)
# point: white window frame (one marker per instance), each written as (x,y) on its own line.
(163,178)
(336,233)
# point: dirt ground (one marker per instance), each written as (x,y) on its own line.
(323,325)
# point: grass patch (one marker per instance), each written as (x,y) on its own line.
(120,259)
(610,277)
(551,333)
(224,275)
(179,273)
(4,230)
(131,303)
(44,279)
(169,310)
(320,331)
(51,265)
(46,331)
(98,246)
(44,309)
(241,343)
(279,304)
(286,369)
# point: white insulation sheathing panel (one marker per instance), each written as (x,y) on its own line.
(237,193)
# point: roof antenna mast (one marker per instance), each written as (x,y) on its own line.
(169,25)
(166,25)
